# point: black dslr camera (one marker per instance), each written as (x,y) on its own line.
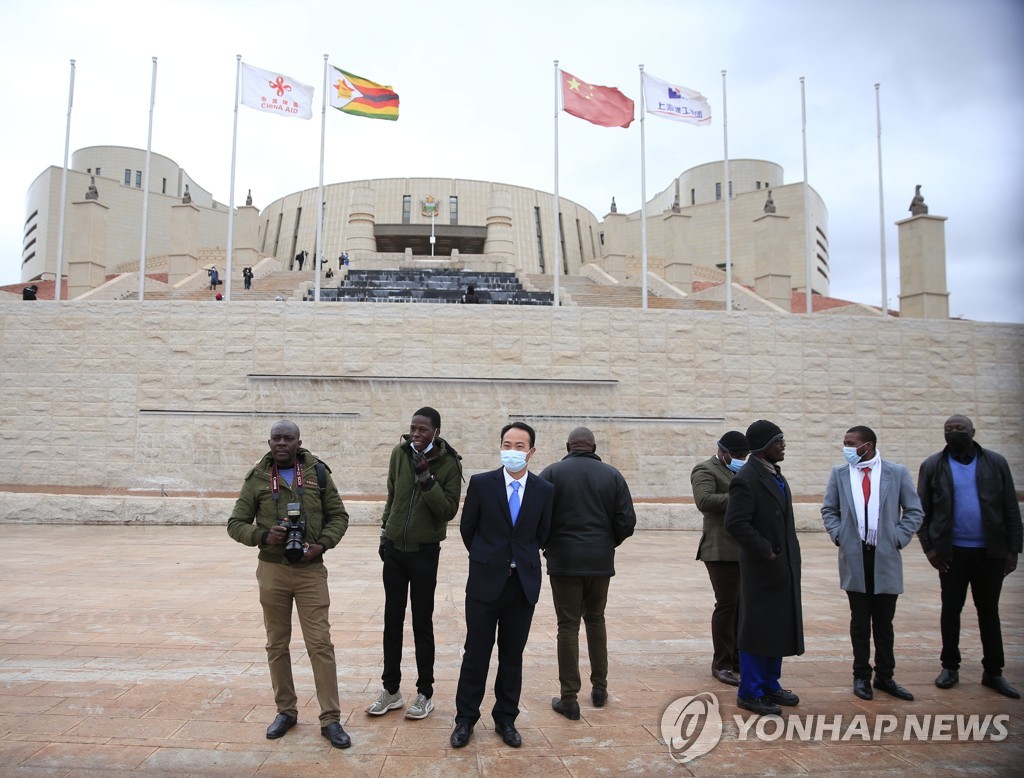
(294,550)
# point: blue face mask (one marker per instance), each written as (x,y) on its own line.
(735,464)
(514,461)
(850,454)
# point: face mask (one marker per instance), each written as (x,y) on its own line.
(961,441)
(735,465)
(850,454)
(514,461)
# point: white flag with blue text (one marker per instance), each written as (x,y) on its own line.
(675,102)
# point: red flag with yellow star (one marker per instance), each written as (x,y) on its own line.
(602,105)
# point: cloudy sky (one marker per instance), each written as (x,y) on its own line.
(476,81)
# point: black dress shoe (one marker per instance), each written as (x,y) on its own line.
(889,686)
(509,734)
(999,683)
(337,736)
(726,677)
(460,735)
(862,688)
(571,710)
(763,706)
(784,697)
(281,724)
(947,678)
(599,697)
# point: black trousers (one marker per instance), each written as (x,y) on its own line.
(971,567)
(725,580)
(511,615)
(872,614)
(412,576)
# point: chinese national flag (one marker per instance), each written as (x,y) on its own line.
(602,105)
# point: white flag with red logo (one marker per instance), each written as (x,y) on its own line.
(273,92)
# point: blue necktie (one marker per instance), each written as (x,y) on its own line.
(513,502)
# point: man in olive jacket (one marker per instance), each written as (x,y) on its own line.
(591,515)
(287,475)
(424,486)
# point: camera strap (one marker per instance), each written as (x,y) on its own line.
(275,482)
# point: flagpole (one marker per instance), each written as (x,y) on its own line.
(145,190)
(320,194)
(643,194)
(558,81)
(807,215)
(881,202)
(728,192)
(64,187)
(231,193)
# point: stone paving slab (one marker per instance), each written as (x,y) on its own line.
(138,651)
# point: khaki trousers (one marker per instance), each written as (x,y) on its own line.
(306,585)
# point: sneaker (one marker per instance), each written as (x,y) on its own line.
(420,708)
(385,702)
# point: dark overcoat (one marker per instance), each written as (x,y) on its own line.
(760,517)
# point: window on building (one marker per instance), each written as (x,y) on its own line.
(453,210)
(693,197)
(540,238)
(730,190)
(579,238)
(163,188)
(718,190)
(561,240)
(758,184)
(600,236)
(138,179)
(127,177)
(97,171)
(406,208)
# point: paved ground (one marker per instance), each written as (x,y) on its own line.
(140,651)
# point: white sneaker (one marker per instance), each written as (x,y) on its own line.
(385,702)
(420,708)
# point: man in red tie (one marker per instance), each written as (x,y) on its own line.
(871,511)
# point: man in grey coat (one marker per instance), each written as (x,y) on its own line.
(871,511)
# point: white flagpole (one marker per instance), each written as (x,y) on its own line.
(643,194)
(807,216)
(320,194)
(231,193)
(881,203)
(727,192)
(145,190)
(64,187)
(558,84)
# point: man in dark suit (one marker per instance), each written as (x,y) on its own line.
(760,517)
(506,519)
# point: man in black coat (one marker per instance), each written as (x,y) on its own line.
(760,517)
(505,522)
(593,513)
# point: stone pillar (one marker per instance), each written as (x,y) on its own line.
(87,267)
(184,258)
(772,277)
(246,237)
(613,256)
(362,214)
(923,291)
(499,244)
(678,270)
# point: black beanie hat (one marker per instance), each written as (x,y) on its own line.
(761,434)
(735,442)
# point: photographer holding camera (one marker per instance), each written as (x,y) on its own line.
(290,507)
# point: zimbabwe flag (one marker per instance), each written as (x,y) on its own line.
(362,97)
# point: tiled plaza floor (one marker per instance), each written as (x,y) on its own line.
(140,651)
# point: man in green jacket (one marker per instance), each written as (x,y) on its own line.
(424,487)
(291,568)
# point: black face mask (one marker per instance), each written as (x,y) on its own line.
(958,441)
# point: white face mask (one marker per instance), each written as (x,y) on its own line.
(735,464)
(850,454)
(514,461)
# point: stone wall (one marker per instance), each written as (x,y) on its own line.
(180,396)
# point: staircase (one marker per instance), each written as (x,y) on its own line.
(289,284)
(586,293)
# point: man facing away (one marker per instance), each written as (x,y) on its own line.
(760,517)
(505,522)
(591,515)
(719,551)
(871,512)
(972,535)
(424,485)
(286,485)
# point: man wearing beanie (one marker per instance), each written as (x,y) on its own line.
(719,551)
(760,516)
